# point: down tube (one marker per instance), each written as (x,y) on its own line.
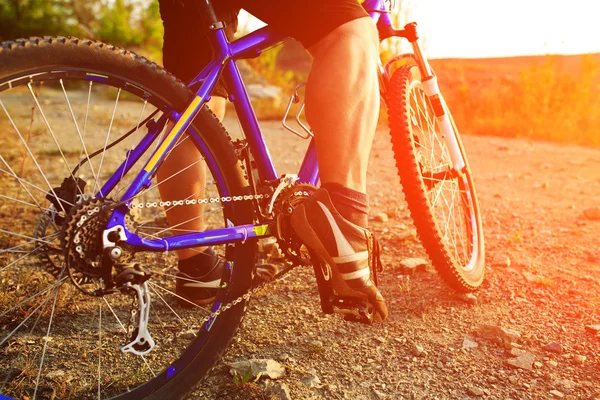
(247,117)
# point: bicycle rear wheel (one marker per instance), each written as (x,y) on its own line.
(68,102)
(442,201)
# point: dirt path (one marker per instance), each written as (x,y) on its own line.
(542,288)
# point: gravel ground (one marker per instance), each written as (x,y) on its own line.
(529,332)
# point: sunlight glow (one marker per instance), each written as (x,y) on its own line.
(477,29)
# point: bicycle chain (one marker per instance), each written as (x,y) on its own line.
(187,202)
(245,296)
(132,315)
(250,292)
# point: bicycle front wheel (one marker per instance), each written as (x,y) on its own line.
(442,201)
(65,108)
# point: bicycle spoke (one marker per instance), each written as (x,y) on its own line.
(57,283)
(39,107)
(46,340)
(96,182)
(81,139)
(23,182)
(99,348)
(32,313)
(43,175)
(137,128)
(168,305)
(178,296)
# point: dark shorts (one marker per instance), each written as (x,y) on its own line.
(186,50)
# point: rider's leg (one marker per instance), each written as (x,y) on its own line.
(189,184)
(342,106)
(342,101)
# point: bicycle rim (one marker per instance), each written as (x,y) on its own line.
(57,340)
(442,200)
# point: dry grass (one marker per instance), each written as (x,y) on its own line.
(539,97)
(549,98)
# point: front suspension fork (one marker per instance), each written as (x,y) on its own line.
(432,90)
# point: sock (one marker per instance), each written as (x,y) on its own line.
(351,204)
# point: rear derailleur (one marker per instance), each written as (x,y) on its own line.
(100,263)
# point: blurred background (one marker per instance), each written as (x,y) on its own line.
(528,68)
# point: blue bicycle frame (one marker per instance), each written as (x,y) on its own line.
(223,64)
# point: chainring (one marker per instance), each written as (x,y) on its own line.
(284,205)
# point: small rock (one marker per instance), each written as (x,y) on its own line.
(556,393)
(280,391)
(381,217)
(187,335)
(312,381)
(499,334)
(380,339)
(417,350)
(501,260)
(529,276)
(316,343)
(552,363)
(516,352)
(523,361)
(259,368)
(468,298)
(592,213)
(411,265)
(554,347)
(593,329)
(475,391)
(406,235)
(469,343)
(538,365)
(579,359)
(59,373)
(543,185)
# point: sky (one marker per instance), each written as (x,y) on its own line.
(500,28)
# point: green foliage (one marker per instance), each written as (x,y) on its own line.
(268,65)
(126,23)
(243,378)
(22,18)
(114,24)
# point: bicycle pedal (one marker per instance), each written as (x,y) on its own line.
(353,309)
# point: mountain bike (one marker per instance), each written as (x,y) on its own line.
(87,264)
